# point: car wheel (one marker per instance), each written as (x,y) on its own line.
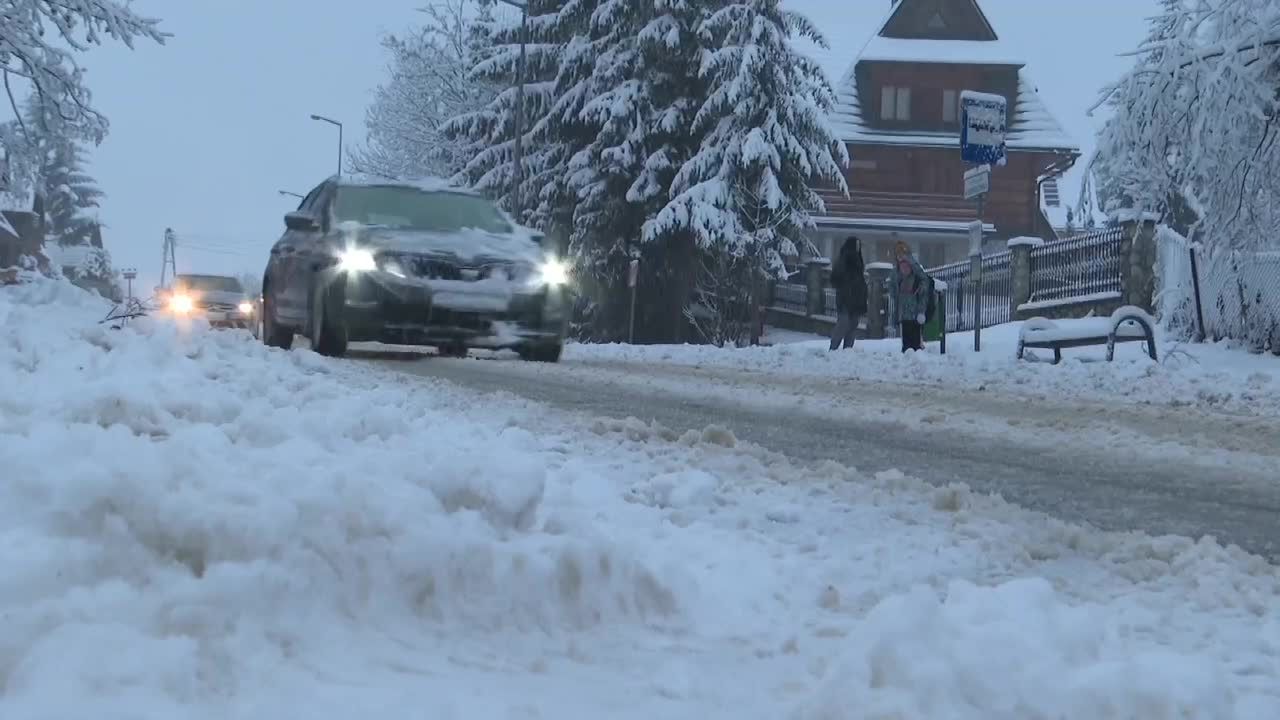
(546,353)
(273,335)
(328,333)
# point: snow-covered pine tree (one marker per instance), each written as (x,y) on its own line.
(486,136)
(430,82)
(95,272)
(38,49)
(633,83)
(1196,121)
(71,196)
(746,196)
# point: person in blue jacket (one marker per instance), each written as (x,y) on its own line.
(912,296)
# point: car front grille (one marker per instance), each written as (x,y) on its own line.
(428,267)
(214,306)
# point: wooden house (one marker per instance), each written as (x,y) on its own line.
(899,114)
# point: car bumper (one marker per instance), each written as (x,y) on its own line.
(382,309)
(218,319)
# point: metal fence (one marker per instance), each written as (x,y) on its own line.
(791,297)
(961,292)
(1084,266)
(1223,295)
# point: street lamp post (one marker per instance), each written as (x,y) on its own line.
(331,121)
(518,182)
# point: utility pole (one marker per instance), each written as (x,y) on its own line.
(170,264)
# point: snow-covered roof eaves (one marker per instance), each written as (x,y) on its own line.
(1033,129)
(946,226)
(11,202)
(959,52)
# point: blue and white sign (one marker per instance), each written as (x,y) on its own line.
(983,127)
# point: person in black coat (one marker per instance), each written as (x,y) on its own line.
(848,277)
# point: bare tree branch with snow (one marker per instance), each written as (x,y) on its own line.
(1196,122)
(39,41)
(430,82)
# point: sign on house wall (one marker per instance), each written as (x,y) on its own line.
(983,128)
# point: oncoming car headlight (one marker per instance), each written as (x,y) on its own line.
(553,272)
(181,304)
(355,260)
(245,308)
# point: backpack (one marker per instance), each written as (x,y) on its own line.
(932,305)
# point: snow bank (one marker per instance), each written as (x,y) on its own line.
(1204,376)
(194,526)
(1007,652)
(191,499)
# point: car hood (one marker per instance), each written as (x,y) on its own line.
(465,245)
(222,296)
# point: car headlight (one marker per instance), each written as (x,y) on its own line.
(357,261)
(246,308)
(181,304)
(554,273)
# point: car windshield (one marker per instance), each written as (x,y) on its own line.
(209,283)
(407,208)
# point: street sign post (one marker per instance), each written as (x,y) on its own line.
(129,274)
(983,126)
(975,238)
(977,182)
(633,275)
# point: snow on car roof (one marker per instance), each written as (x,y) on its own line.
(427,184)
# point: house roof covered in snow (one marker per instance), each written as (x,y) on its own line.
(1033,126)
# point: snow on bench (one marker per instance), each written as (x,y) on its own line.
(1128,324)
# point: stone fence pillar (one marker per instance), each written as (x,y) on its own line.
(815,285)
(879,276)
(1139,264)
(1020,268)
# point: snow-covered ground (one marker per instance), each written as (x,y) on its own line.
(1206,376)
(194,526)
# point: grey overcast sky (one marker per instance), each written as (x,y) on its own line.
(207,128)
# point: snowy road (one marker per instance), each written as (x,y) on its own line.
(1196,473)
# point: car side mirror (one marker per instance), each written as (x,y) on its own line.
(301,221)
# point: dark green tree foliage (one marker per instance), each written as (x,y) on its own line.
(71,196)
(487,135)
(631,88)
(665,130)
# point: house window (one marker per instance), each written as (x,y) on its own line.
(895,103)
(950,107)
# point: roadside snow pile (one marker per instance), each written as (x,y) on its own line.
(194,526)
(1206,376)
(164,490)
(1010,652)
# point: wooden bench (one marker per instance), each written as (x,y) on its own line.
(1128,324)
